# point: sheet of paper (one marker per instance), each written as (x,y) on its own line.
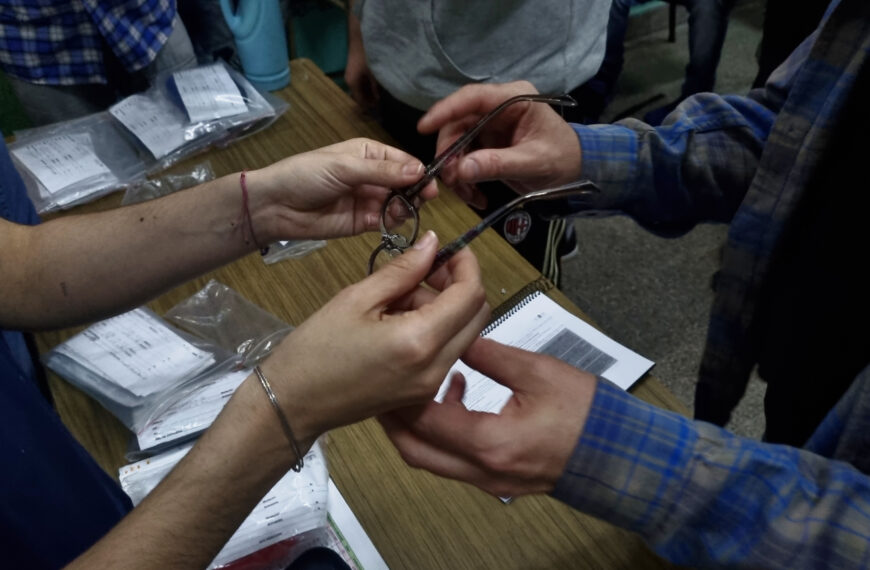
(539,324)
(160,129)
(296,504)
(137,352)
(62,160)
(209,93)
(347,537)
(193,413)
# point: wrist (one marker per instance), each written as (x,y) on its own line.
(262,206)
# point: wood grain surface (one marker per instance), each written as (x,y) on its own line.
(416,520)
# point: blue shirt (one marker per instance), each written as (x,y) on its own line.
(55,501)
(698,494)
(63,42)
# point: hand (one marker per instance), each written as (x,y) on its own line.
(382,343)
(334,191)
(359,78)
(528,145)
(523,449)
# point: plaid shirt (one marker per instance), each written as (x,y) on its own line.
(700,495)
(63,42)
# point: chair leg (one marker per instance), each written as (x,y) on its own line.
(672,21)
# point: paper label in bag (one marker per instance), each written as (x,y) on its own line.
(136,352)
(61,161)
(160,130)
(209,93)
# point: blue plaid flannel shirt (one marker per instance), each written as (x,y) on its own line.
(698,494)
(63,42)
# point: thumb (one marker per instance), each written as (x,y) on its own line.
(401,275)
(495,164)
(509,366)
(356,171)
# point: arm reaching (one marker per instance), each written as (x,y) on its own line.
(698,494)
(81,268)
(381,343)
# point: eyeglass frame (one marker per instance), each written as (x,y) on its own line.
(574,189)
(407,194)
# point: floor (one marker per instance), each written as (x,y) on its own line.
(649,293)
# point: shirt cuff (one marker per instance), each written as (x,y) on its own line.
(629,464)
(609,159)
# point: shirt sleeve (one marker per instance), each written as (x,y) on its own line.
(696,167)
(702,496)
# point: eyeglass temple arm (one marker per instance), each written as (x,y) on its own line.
(585,187)
(435,167)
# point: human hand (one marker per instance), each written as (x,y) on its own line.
(528,145)
(382,343)
(333,191)
(521,450)
(359,78)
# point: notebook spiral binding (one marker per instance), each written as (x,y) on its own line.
(516,301)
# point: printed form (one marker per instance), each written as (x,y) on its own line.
(539,324)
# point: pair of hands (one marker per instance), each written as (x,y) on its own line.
(398,338)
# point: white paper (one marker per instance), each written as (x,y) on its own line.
(137,352)
(159,129)
(209,93)
(62,160)
(193,413)
(540,324)
(296,504)
(347,536)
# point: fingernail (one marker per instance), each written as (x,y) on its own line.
(426,240)
(471,169)
(412,168)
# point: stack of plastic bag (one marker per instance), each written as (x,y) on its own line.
(181,114)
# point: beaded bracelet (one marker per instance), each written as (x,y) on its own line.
(300,459)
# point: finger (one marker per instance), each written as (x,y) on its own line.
(400,276)
(496,163)
(421,454)
(471,99)
(456,390)
(355,171)
(515,368)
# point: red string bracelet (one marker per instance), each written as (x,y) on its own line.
(247,212)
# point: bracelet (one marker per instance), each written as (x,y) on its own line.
(300,459)
(247,213)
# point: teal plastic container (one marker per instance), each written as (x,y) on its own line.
(261,43)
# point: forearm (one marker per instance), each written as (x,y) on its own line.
(702,496)
(80,268)
(672,177)
(190,515)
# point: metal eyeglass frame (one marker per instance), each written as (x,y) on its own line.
(396,243)
(574,189)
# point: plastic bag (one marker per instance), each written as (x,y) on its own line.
(289,520)
(281,250)
(135,364)
(222,316)
(168,183)
(76,161)
(187,111)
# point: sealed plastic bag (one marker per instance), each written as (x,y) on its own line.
(222,316)
(76,161)
(134,364)
(168,183)
(276,531)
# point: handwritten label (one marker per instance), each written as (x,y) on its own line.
(159,129)
(209,93)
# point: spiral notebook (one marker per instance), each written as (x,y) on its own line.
(533,321)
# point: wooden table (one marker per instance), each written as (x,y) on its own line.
(416,520)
